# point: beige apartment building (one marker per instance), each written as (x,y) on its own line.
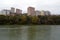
(18,11)
(31,11)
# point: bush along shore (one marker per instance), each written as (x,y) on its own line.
(29,20)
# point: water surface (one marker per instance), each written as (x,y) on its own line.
(34,32)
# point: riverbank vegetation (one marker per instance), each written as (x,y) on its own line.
(29,20)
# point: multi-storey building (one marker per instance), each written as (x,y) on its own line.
(42,13)
(31,11)
(38,13)
(47,13)
(18,11)
(12,10)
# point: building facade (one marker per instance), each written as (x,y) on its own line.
(38,12)
(42,13)
(18,11)
(31,11)
(12,10)
(47,13)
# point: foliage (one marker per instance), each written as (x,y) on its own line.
(24,19)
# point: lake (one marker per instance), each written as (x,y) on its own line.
(32,32)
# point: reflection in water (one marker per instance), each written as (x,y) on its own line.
(39,33)
(29,33)
(14,33)
(43,33)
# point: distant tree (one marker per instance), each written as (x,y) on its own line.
(35,20)
(23,19)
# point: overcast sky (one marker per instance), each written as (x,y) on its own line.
(51,5)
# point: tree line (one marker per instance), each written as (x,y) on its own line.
(29,20)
